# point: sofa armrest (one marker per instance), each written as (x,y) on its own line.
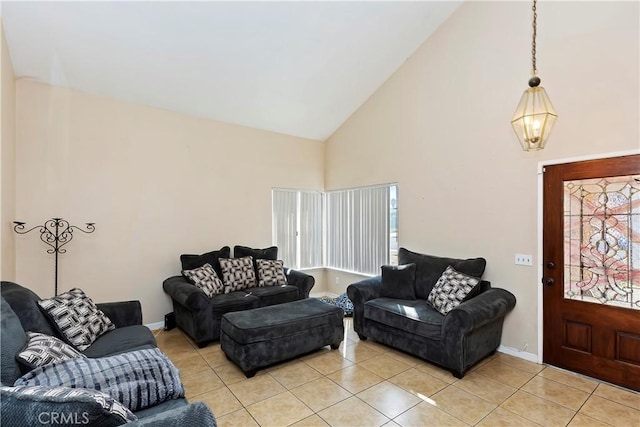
(125,313)
(490,305)
(359,293)
(303,281)
(186,294)
(195,414)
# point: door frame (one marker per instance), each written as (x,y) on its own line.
(541,166)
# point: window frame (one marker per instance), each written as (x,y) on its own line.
(325,251)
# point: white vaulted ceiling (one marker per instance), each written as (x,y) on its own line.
(299,68)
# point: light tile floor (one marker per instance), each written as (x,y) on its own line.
(364,383)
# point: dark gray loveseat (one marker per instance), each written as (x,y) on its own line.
(457,340)
(20,313)
(200,317)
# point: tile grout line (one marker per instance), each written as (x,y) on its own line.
(173,343)
(517,390)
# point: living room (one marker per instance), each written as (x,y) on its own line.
(158,183)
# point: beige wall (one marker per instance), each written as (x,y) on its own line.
(156,183)
(440,128)
(7,163)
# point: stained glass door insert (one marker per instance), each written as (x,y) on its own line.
(602,241)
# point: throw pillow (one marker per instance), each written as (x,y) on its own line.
(77,318)
(205,278)
(429,268)
(266,253)
(237,273)
(271,273)
(189,262)
(137,379)
(398,281)
(342,301)
(38,405)
(43,349)
(451,289)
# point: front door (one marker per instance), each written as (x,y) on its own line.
(591,268)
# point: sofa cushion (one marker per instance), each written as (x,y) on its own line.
(24,303)
(205,278)
(271,273)
(413,316)
(189,261)
(266,253)
(120,340)
(233,301)
(167,405)
(196,414)
(43,349)
(77,318)
(237,273)
(40,405)
(271,295)
(398,281)
(429,268)
(12,340)
(451,289)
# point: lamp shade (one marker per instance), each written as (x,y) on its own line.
(533,119)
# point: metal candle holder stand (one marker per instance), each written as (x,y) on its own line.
(55,232)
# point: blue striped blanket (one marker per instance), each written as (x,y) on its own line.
(137,379)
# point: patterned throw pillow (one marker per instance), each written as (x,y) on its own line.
(271,273)
(42,349)
(451,289)
(35,405)
(238,273)
(189,261)
(78,319)
(205,278)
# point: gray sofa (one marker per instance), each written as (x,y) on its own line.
(457,340)
(20,313)
(200,317)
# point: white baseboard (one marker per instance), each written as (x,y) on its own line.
(531,357)
(156,325)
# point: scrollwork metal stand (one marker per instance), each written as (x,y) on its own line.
(55,232)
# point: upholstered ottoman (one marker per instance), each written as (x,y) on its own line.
(263,336)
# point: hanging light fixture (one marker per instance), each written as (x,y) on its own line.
(535,115)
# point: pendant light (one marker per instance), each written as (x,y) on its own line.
(535,116)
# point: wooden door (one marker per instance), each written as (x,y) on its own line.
(591,268)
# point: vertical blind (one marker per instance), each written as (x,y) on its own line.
(358,229)
(297,227)
(356,224)
(310,226)
(284,228)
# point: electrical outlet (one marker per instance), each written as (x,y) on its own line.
(337,280)
(523,259)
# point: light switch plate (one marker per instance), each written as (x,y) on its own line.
(523,259)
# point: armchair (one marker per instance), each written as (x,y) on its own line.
(457,340)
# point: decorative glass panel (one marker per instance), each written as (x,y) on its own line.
(602,241)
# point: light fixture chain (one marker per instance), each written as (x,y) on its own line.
(533,43)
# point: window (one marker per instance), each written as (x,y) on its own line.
(297,227)
(601,240)
(361,228)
